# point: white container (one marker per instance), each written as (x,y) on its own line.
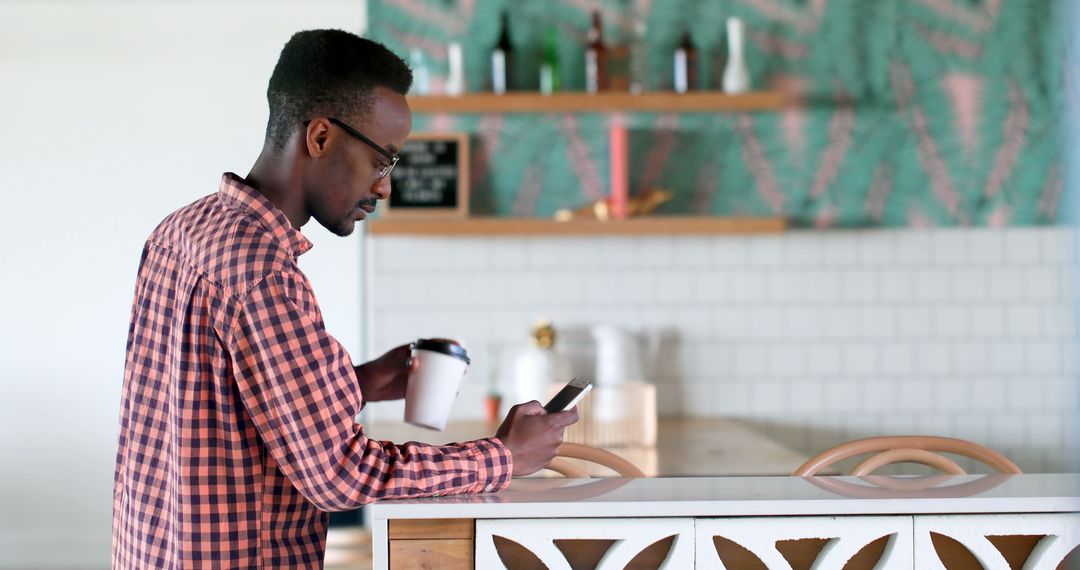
(614,416)
(736,76)
(535,369)
(455,79)
(434,385)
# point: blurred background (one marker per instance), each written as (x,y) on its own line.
(924,282)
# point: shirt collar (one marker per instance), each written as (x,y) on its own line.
(235,192)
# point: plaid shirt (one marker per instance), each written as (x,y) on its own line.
(237,428)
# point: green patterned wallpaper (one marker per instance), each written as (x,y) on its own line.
(902,113)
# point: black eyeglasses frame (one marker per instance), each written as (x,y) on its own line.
(393,158)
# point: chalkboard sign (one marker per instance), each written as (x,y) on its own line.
(431,177)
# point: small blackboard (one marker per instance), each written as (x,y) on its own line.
(431,178)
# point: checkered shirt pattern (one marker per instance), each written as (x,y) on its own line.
(237,430)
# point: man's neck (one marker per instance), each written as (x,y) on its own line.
(273,175)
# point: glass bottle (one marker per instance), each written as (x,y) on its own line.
(549,66)
(455,78)
(502,56)
(421,74)
(595,57)
(685,77)
(638,56)
(736,76)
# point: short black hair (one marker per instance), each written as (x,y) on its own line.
(329,73)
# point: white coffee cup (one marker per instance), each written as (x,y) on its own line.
(433,386)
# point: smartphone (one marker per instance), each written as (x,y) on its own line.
(570,395)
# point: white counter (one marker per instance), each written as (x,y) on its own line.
(704,518)
(751,496)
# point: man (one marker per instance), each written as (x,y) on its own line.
(237,430)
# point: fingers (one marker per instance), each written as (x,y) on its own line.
(532,408)
(564,419)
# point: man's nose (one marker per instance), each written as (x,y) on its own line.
(382,188)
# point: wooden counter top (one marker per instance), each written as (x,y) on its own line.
(685,447)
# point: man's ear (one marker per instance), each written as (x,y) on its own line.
(316,137)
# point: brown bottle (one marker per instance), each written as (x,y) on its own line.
(595,57)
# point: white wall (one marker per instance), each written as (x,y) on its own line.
(115,114)
(815,337)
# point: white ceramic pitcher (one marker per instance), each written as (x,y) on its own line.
(619,355)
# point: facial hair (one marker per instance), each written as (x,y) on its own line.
(344,226)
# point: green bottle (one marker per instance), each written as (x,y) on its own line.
(549,66)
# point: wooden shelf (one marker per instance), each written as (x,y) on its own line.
(597,103)
(658,225)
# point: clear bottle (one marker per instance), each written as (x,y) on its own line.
(595,57)
(421,73)
(639,56)
(685,77)
(455,79)
(502,57)
(736,76)
(549,66)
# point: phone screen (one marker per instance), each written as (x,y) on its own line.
(569,395)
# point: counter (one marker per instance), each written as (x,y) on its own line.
(684,447)
(697,518)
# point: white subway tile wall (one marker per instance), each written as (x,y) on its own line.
(814,337)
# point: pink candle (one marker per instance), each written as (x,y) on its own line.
(619,143)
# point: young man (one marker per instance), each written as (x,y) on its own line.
(237,430)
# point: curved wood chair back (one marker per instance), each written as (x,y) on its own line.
(593,454)
(922,449)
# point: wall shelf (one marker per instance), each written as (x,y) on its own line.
(655,225)
(598,103)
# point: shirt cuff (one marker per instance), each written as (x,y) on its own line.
(494,465)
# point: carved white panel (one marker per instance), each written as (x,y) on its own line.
(631,536)
(848,535)
(1062,536)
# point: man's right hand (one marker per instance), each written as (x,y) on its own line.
(533,436)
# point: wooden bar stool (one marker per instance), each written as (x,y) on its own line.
(592,454)
(924,449)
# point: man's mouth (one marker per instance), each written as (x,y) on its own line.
(366,205)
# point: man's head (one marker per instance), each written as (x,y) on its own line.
(328,87)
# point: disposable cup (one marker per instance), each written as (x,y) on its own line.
(434,385)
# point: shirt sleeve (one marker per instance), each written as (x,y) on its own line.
(298,385)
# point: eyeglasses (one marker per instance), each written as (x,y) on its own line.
(385,169)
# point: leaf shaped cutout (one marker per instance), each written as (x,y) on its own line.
(583,553)
(735,555)
(801,552)
(1015,548)
(868,556)
(516,556)
(653,556)
(953,554)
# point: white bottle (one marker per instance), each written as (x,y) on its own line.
(421,76)
(455,79)
(736,76)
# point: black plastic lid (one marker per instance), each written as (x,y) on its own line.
(443,347)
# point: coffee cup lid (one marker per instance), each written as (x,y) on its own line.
(442,346)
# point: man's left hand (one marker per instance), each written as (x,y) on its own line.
(385,377)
